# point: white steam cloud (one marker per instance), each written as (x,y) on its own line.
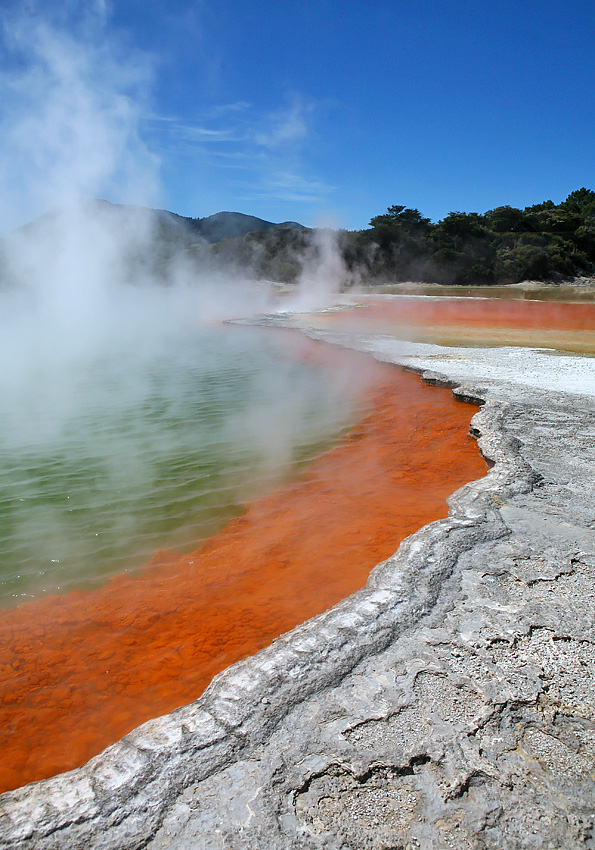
(323,272)
(70,123)
(88,310)
(69,133)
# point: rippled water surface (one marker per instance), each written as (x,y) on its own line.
(106,458)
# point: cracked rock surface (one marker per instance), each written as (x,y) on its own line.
(448,704)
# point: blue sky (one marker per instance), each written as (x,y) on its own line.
(331,112)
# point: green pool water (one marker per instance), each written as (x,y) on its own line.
(107,456)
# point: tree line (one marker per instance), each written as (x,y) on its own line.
(543,242)
(503,245)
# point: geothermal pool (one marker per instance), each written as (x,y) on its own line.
(107,458)
(158,524)
(112,649)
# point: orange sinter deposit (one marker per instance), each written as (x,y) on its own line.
(471,321)
(481,312)
(79,671)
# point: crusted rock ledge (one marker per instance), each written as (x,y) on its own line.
(450,703)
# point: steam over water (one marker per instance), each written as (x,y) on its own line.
(127,421)
(114,455)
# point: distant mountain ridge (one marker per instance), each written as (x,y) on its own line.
(153,244)
(210,229)
(228,225)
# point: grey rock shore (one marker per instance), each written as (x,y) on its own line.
(448,704)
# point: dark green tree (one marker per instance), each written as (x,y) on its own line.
(507,220)
(582,202)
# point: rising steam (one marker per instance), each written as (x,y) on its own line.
(69,133)
(91,309)
(323,273)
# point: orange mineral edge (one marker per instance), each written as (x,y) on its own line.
(81,670)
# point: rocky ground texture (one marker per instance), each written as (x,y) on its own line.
(448,704)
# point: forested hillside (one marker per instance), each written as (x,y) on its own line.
(504,245)
(545,242)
